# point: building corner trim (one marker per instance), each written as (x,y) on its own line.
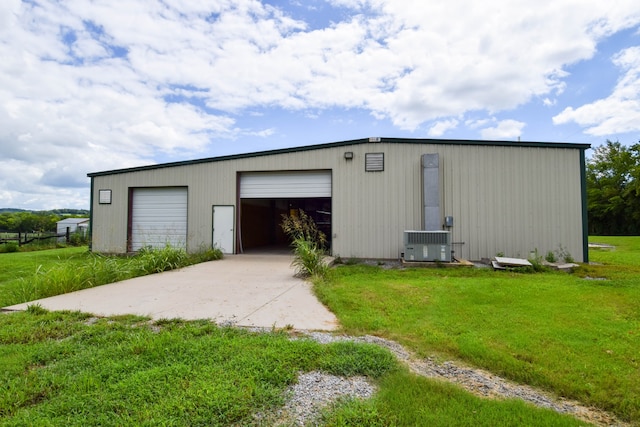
(91,217)
(585,217)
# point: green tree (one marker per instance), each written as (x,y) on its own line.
(613,190)
(28,221)
(5,219)
(46,221)
(24,222)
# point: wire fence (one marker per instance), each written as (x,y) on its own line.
(23,238)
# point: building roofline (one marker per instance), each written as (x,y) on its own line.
(73,220)
(346,143)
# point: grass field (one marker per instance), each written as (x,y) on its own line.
(65,369)
(577,335)
(17,266)
(625,251)
(574,334)
(70,369)
(27,276)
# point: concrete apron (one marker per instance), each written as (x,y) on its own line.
(244,290)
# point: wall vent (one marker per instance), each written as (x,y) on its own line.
(374,162)
(427,245)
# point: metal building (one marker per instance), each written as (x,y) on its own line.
(66,226)
(493,197)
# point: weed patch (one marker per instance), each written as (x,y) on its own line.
(308,244)
(308,259)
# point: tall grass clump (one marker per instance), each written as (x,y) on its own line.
(79,238)
(206,254)
(308,242)
(9,247)
(100,270)
(153,260)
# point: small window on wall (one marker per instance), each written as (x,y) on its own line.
(104,197)
(374,162)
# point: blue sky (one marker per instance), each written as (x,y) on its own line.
(88,86)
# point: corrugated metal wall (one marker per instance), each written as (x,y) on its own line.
(513,200)
(159,217)
(273,185)
(504,199)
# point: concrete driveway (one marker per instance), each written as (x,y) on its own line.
(245,290)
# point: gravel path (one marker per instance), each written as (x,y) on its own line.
(315,390)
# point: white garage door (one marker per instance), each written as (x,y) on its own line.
(159,217)
(279,185)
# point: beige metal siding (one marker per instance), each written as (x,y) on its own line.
(513,200)
(507,199)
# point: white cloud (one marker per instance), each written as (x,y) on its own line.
(261,133)
(477,123)
(439,128)
(619,112)
(505,129)
(94,85)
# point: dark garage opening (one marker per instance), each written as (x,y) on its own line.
(260,221)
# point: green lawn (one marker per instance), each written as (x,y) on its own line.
(66,368)
(567,333)
(60,369)
(16,266)
(28,276)
(625,251)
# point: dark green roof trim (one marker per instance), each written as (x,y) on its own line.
(585,216)
(91,217)
(346,143)
(487,143)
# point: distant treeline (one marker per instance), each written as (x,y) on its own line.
(22,221)
(613,190)
(82,213)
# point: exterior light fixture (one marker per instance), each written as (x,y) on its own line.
(348,155)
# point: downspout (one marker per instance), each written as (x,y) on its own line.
(431,191)
(585,217)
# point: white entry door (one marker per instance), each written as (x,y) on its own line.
(223,228)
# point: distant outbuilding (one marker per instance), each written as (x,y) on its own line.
(73,225)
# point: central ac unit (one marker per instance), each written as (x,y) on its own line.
(427,246)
